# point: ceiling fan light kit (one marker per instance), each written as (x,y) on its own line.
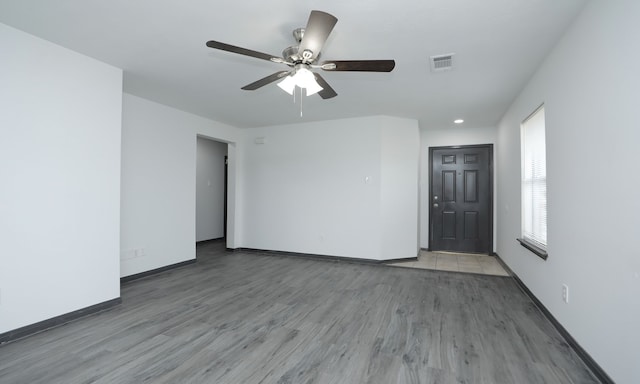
(302,78)
(302,59)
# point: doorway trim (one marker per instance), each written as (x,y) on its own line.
(226,193)
(491,196)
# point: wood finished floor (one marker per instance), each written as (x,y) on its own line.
(252,318)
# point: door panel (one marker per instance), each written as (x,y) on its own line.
(448,186)
(449,225)
(471,186)
(471,225)
(461,199)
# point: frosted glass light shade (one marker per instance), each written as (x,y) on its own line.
(313,88)
(303,78)
(288,84)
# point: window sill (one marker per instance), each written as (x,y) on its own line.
(541,253)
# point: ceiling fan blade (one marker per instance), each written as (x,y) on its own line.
(318,28)
(359,65)
(327,92)
(265,80)
(243,51)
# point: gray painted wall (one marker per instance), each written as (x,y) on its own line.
(60,116)
(158,220)
(592,137)
(343,188)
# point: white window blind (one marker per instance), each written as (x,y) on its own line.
(534,180)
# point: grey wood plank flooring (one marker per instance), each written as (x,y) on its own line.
(261,318)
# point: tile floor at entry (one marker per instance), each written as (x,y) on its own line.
(456,262)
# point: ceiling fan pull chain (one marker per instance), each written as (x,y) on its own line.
(301,101)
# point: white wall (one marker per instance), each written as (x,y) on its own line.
(210,189)
(342,188)
(590,85)
(442,138)
(159,183)
(60,116)
(399,176)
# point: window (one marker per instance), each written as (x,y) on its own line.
(534,184)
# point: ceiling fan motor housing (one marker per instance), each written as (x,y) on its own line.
(292,54)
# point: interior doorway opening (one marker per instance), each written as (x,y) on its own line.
(211,189)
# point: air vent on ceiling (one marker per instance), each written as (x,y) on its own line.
(442,62)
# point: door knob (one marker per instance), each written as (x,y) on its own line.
(435,205)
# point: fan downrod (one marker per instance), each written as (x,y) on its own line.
(298,34)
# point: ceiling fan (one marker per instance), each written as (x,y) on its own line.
(302,59)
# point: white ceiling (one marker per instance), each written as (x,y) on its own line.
(160,44)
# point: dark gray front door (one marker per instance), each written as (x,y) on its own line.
(461,214)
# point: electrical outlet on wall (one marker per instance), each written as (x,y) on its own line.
(565,293)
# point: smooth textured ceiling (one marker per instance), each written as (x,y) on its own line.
(160,45)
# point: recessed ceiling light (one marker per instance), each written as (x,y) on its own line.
(458,121)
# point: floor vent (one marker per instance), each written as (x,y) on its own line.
(441,62)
